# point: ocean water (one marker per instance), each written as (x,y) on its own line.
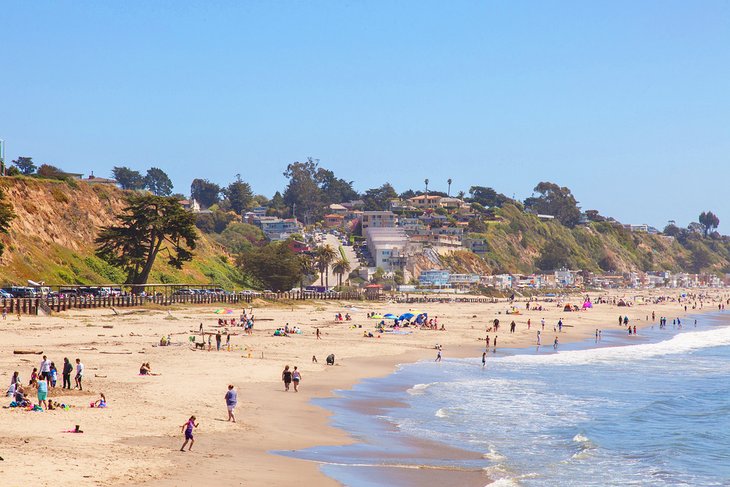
(653,410)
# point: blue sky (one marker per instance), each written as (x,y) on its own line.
(627,103)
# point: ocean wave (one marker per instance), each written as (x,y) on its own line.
(442,413)
(419,389)
(493,454)
(678,344)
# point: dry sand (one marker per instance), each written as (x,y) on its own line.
(136,439)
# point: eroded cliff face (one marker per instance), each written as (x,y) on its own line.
(56,212)
(52,237)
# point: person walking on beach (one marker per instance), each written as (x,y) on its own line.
(296,376)
(286,377)
(318,335)
(538,338)
(484,359)
(79,374)
(438,355)
(67,369)
(487,339)
(188,429)
(494,349)
(231,401)
(542,322)
(218,340)
(555,344)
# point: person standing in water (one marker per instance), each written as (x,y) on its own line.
(484,359)
(555,343)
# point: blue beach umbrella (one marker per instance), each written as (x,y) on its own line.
(406,316)
(390,316)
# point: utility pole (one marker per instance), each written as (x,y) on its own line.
(2,157)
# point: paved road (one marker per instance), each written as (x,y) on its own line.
(335,243)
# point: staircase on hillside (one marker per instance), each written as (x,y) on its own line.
(43,308)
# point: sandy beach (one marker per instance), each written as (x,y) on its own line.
(136,439)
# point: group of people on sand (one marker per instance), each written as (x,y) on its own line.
(42,378)
(347,317)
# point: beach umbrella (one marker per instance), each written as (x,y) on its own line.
(390,316)
(406,316)
(222,311)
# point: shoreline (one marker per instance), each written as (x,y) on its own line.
(136,440)
(321,433)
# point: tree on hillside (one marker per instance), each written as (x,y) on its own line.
(213,222)
(240,237)
(158,182)
(303,193)
(709,221)
(487,197)
(277,206)
(449,181)
(149,226)
(378,199)
(556,201)
(324,257)
(274,265)
(239,194)
(554,256)
(128,178)
(51,172)
(25,165)
(672,230)
(6,216)
(205,192)
(334,189)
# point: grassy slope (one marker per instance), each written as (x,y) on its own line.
(52,238)
(516,245)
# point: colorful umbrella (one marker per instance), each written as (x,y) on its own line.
(222,311)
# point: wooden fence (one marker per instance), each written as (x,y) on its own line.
(33,306)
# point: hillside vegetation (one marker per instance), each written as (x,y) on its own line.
(52,238)
(522,243)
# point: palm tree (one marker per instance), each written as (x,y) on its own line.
(325,255)
(341,267)
(448,193)
(307,267)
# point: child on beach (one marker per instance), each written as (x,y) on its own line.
(188,429)
(79,374)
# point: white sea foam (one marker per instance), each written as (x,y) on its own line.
(418,389)
(442,413)
(493,454)
(504,483)
(680,343)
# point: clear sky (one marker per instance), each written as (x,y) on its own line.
(625,102)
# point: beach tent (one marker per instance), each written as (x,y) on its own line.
(406,316)
(621,303)
(568,307)
(587,305)
(376,317)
